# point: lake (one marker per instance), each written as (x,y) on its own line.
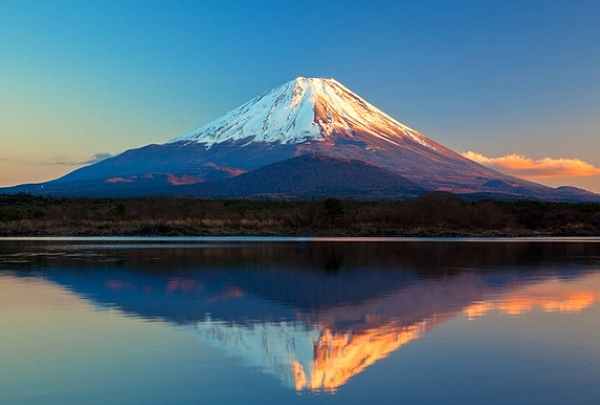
(299,321)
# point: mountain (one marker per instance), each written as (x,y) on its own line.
(313,176)
(578,193)
(306,116)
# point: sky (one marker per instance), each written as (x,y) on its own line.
(512,84)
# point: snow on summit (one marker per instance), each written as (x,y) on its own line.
(304,110)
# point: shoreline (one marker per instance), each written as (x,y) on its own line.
(293,239)
(433,216)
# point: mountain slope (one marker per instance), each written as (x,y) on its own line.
(313,176)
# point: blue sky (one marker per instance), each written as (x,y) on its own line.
(82,78)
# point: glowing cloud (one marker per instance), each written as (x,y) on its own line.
(524,166)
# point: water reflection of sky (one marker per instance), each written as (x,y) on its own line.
(124,323)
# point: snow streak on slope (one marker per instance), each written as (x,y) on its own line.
(302,110)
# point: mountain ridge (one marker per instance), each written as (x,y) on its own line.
(312,176)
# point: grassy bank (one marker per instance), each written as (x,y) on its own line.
(433,215)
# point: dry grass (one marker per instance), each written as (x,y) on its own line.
(433,215)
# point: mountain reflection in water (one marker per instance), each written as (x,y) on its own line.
(316,315)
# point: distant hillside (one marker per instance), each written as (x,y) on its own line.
(313,176)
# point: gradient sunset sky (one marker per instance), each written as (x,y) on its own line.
(516,84)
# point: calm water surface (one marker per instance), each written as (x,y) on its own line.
(297,322)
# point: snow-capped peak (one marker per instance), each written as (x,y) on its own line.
(303,110)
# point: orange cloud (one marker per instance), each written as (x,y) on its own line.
(524,166)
